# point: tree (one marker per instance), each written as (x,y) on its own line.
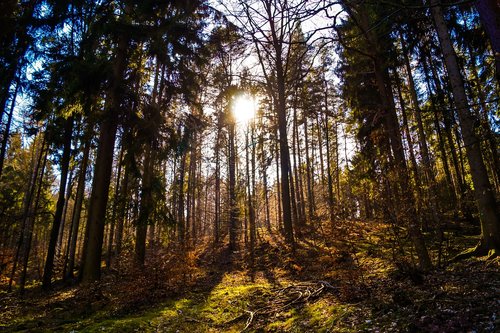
(383,113)
(483,191)
(270,25)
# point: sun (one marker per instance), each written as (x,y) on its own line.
(243,108)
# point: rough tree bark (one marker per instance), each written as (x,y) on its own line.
(91,269)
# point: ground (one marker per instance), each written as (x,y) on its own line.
(328,284)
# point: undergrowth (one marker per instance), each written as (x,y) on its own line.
(328,284)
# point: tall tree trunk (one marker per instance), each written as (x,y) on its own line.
(279,214)
(6,132)
(485,199)
(280,105)
(146,205)
(181,224)
(112,230)
(69,190)
(30,225)
(91,269)
(331,199)
(51,251)
(77,211)
(217,217)
(250,196)
(311,201)
(265,161)
(298,188)
(233,207)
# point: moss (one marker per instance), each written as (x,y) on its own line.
(209,312)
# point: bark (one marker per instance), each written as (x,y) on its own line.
(91,269)
(233,208)
(250,197)
(145,207)
(112,230)
(279,214)
(331,199)
(77,211)
(6,132)
(122,209)
(264,161)
(321,158)
(311,201)
(280,105)
(69,190)
(56,225)
(181,227)
(217,183)
(30,225)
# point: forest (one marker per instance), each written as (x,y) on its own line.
(249,166)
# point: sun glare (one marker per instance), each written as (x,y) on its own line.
(244,108)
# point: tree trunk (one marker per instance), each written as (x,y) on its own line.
(217,182)
(145,207)
(30,225)
(91,269)
(181,226)
(77,210)
(6,132)
(51,251)
(233,208)
(265,163)
(311,201)
(251,195)
(331,199)
(112,232)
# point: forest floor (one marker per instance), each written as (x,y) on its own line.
(328,285)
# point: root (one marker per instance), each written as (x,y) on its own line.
(285,298)
(480,250)
(492,254)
